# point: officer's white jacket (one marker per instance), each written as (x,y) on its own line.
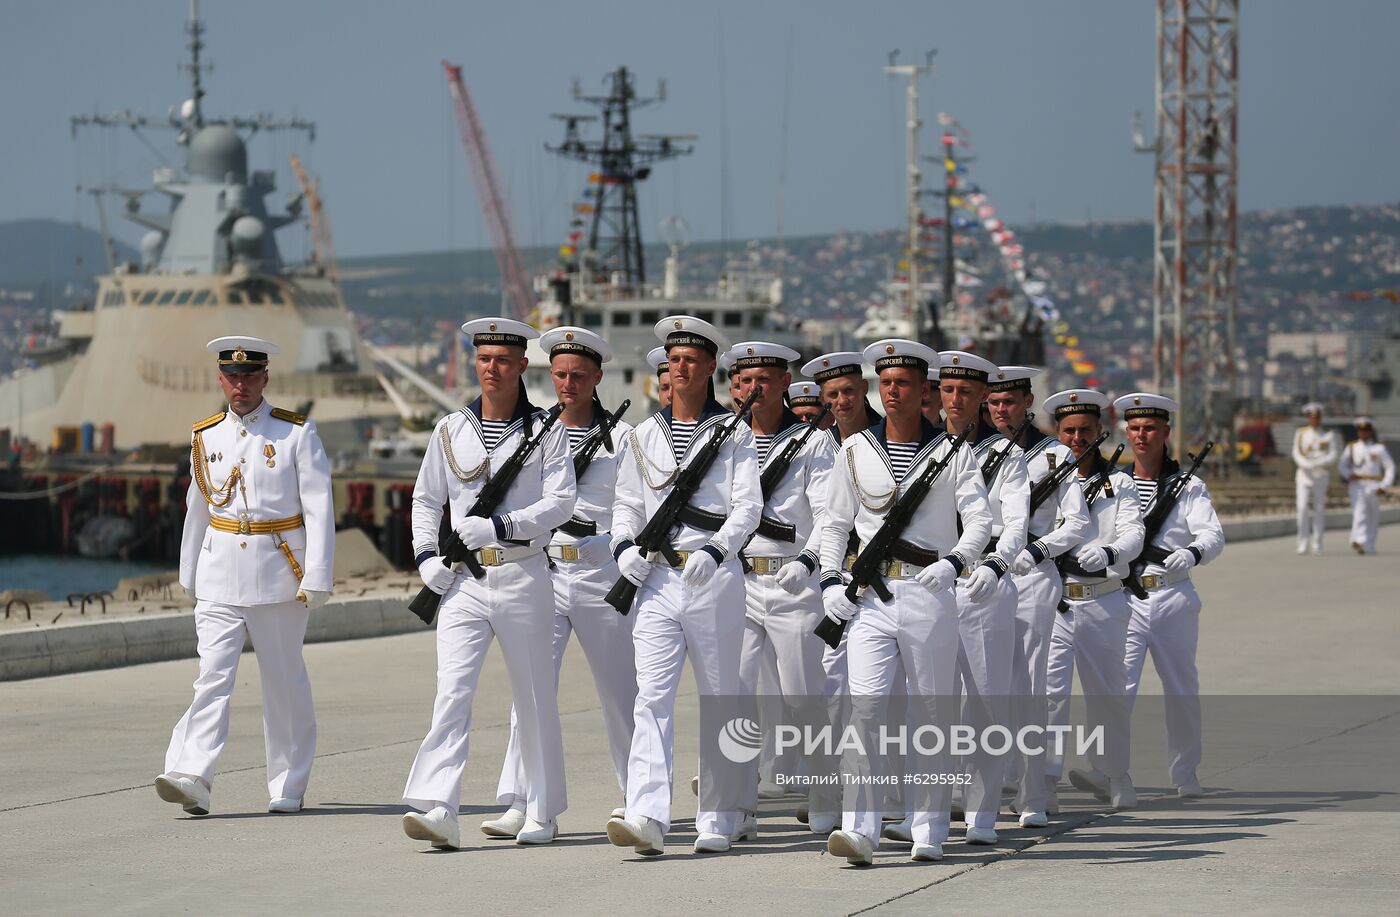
(863,482)
(730,486)
(1314,452)
(283,473)
(1115,522)
(1370,462)
(1061,521)
(455,468)
(799,499)
(1192,522)
(597,487)
(1008,497)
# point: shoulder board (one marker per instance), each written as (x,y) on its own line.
(209,421)
(289,416)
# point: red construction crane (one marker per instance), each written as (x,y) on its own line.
(514,281)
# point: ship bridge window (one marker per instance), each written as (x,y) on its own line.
(592,320)
(201,297)
(622,319)
(706,315)
(165,298)
(733,319)
(148,298)
(184,297)
(649,317)
(235,298)
(255,297)
(275,297)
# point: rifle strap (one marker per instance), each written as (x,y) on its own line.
(778,531)
(701,519)
(579,528)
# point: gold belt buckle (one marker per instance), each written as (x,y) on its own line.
(897,569)
(568,552)
(492,557)
(1152,581)
(1079,591)
(850,563)
(244,525)
(684,556)
(764,565)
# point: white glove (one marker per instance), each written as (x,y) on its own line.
(699,567)
(476,532)
(633,565)
(1025,562)
(794,577)
(313,598)
(1092,558)
(937,577)
(595,550)
(837,606)
(1178,560)
(436,576)
(982,583)
(189,592)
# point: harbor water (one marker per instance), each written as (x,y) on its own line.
(63,576)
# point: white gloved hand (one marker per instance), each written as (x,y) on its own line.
(1025,562)
(633,565)
(314,598)
(982,583)
(699,567)
(937,577)
(436,576)
(189,592)
(476,532)
(1092,558)
(1178,560)
(794,577)
(595,550)
(836,605)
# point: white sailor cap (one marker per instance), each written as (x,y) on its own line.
(684,331)
(657,357)
(503,331)
(755,354)
(1013,379)
(834,365)
(805,394)
(1076,401)
(1312,407)
(1144,404)
(572,339)
(1363,422)
(892,352)
(239,353)
(959,364)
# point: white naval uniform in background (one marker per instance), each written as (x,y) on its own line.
(1314,452)
(513,602)
(245,582)
(1094,632)
(779,626)
(1167,625)
(674,620)
(1057,526)
(987,629)
(1368,469)
(916,627)
(579,608)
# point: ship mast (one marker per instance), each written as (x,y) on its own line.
(919,328)
(196,69)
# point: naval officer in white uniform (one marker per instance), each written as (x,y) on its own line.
(513,602)
(1315,451)
(1368,470)
(256,556)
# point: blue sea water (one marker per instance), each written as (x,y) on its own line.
(61,576)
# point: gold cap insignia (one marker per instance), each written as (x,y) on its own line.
(957,360)
(1001,375)
(678,324)
(1073,398)
(240,356)
(889,348)
(749,351)
(1137,401)
(492,326)
(568,335)
(826,362)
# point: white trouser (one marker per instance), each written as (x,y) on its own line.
(1094,634)
(1365,515)
(1312,509)
(513,602)
(1037,595)
(779,633)
(986,632)
(606,637)
(1167,625)
(706,623)
(289,716)
(921,630)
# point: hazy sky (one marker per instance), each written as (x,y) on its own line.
(1047,89)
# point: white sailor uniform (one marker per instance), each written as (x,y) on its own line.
(1368,469)
(1314,452)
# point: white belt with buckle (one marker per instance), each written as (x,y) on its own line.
(1152,581)
(1079,592)
(769,564)
(564,552)
(494,557)
(656,557)
(900,569)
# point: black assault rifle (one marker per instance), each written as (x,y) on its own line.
(996,459)
(1052,481)
(1067,564)
(773,475)
(656,534)
(488,499)
(1157,517)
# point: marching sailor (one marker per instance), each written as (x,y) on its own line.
(256,555)
(697,609)
(1093,631)
(583,567)
(657,357)
(1056,526)
(918,625)
(1368,469)
(805,400)
(513,601)
(1315,451)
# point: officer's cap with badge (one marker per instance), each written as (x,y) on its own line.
(1074,401)
(757,355)
(830,366)
(685,331)
(579,341)
(657,357)
(959,364)
(1144,404)
(242,354)
(1013,379)
(1364,423)
(897,352)
(1312,407)
(804,395)
(505,332)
